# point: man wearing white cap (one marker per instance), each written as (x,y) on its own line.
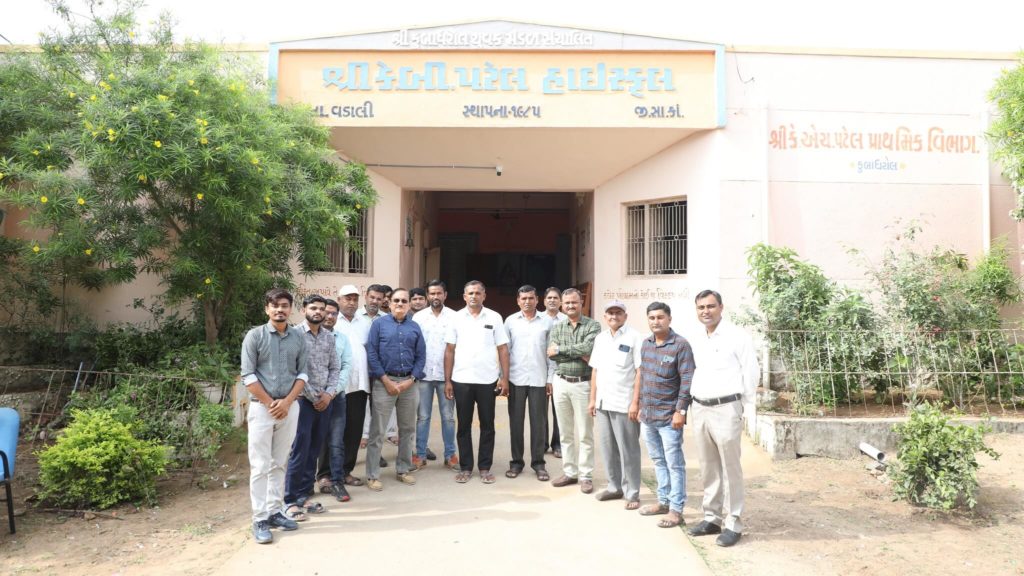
(357,328)
(615,404)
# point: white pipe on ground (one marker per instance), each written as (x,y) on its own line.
(872,452)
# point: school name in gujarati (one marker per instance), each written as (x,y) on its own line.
(438,76)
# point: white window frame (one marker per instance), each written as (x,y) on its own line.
(654,245)
(344,258)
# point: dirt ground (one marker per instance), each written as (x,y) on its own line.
(804,517)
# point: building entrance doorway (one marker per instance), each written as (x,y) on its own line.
(505,240)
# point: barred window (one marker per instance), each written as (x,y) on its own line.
(656,238)
(352,255)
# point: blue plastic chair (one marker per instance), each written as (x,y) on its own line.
(9,426)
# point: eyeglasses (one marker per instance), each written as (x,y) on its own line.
(332,314)
(399,301)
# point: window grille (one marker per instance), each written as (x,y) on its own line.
(351,255)
(656,238)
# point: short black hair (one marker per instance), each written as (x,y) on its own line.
(313,298)
(475,283)
(705,293)
(436,282)
(329,302)
(551,289)
(526,289)
(387,289)
(659,306)
(275,294)
(417,292)
(375,288)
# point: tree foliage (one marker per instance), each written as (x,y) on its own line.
(1006,132)
(155,157)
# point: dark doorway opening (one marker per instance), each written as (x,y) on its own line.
(505,240)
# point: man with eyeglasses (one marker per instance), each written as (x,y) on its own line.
(396,352)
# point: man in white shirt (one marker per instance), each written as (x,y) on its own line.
(530,376)
(357,327)
(724,384)
(475,370)
(434,321)
(615,404)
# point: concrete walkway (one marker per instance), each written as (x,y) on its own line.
(519,526)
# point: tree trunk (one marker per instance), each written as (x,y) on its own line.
(211,322)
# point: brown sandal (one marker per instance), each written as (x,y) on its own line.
(486,477)
(463,476)
(654,509)
(632,505)
(671,521)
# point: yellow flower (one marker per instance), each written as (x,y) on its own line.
(202,122)
(71,94)
(232,87)
(199,295)
(196,92)
(110,131)
(266,199)
(92,97)
(248,267)
(35,152)
(35,248)
(95,133)
(135,108)
(191,82)
(48,147)
(111,77)
(208,281)
(1,175)
(203,140)
(50,166)
(157,143)
(161,97)
(142,177)
(131,34)
(81,201)
(43,199)
(269,212)
(199,196)
(88,251)
(104,85)
(359,206)
(255,161)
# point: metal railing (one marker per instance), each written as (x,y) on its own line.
(975,371)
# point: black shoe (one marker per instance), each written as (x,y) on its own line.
(383,462)
(728,538)
(705,528)
(261,532)
(339,492)
(283,522)
(431,455)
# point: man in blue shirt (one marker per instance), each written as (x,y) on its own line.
(396,353)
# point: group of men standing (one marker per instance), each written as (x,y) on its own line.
(309,386)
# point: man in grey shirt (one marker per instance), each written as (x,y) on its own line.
(273,371)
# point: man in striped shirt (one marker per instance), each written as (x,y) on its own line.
(666,371)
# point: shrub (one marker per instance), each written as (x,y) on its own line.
(936,464)
(99,462)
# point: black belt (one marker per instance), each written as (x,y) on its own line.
(719,400)
(574,379)
(398,374)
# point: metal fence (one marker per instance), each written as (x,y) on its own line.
(169,408)
(865,372)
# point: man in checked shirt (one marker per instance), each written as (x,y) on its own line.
(666,371)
